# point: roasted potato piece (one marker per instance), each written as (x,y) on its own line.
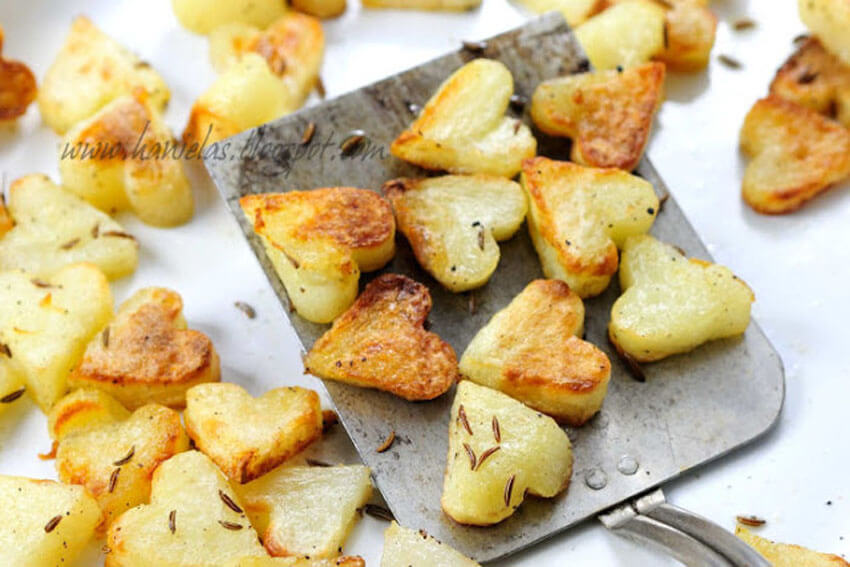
(381,342)
(203,16)
(301,562)
(191,520)
(785,555)
(447,5)
(576,12)
(320,8)
(624,35)
(608,114)
(147,355)
(463,127)
(531,351)
(817,79)
(293,47)
(499,451)
(690,29)
(45,325)
(796,154)
(90,71)
(453,223)
(247,437)
(6,221)
(114,460)
(55,228)
(579,216)
(409,548)
(82,410)
(245,95)
(829,20)
(319,241)
(49,523)
(671,304)
(121,158)
(306,511)
(17,86)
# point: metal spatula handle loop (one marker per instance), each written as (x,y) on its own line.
(692,539)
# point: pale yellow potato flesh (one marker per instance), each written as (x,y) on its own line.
(409,548)
(203,16)
(245,95)
(829,20)
(117,160)
(54,228)
(89,450)
(534,456)
(46,324)
(671,304)
(187,523)
(90,71)
(579,216)
(463,127)
(787,555)
(307,511)
(454,222)
(431,5)
(33,506)
(293,47)
(300,562)
(320,8)
(576,12)
(626,34)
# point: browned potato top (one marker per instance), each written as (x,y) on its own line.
(17,86)
(817,79)
(380,342)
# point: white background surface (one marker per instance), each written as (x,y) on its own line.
(798,265)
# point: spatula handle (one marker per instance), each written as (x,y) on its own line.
(692,539)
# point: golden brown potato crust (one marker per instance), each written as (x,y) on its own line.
(149,357)
(690,30)
(17,86)
(543,362)
(787,555)
(608,114)
(796,155)
(815,78)
(354,218)
(381,342)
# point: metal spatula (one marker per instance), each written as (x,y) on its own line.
(691,409)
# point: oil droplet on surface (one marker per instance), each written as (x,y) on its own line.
(628,465)
(596,479)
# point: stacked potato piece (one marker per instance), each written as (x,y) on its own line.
(799,135)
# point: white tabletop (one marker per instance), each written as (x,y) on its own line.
(798,265)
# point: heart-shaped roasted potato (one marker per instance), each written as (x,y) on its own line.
(453,223)
(625,34)
(815,78)
(91,70)
(499,451)
(608,114)
(46,324)
(147,355)
(404,547)
(306,511)
(194,518)
(293,46)
(381,342)
(245,436)
(54,228)
(579,216)
(50,523)
(123,158)
(531,351)
(671,304)
(463,127)
(319,241)
(796,155)
(113,455)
